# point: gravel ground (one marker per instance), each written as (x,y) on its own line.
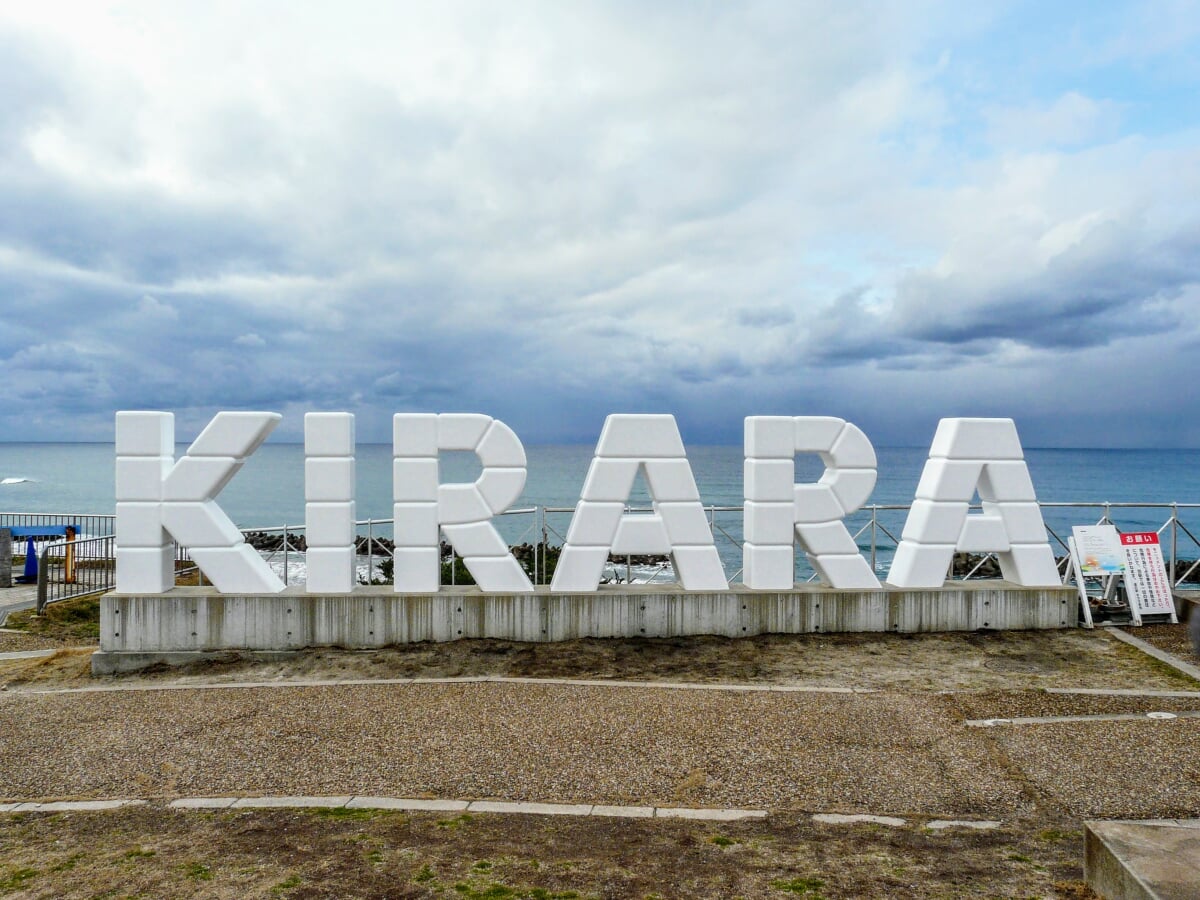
(887,753)
(1171,638)
(15,641)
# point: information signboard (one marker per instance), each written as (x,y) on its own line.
(1098,550)
(1146,581)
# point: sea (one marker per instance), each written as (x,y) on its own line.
(1140,485)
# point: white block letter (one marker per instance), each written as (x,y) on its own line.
(969,455)
(156,495)
(678,525)
(777,511)
(329,502)
(463,511)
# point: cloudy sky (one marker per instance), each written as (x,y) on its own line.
(547,212)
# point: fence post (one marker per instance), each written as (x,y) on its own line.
(1174,538)
(43,581)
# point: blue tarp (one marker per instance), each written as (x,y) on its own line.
(40,531)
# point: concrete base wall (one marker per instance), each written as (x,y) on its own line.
(190,620)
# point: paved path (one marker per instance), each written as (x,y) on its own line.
(17,597)
(883,753)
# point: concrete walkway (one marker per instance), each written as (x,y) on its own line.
(15,598)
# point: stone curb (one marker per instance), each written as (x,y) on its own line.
(858,819)
(69,805)
(26,654)
(1098,717)
(1184,668)
(405,804)
(480,679)
(416,804)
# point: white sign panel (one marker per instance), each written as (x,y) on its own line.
(1098,550)
(1146,576)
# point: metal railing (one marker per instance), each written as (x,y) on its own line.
(71,569)
(875,529)
(88,524)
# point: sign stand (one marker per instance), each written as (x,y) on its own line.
(1146,582)
(1133,560)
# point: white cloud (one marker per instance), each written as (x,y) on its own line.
(552,211)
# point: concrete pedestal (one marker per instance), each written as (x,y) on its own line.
(139,629)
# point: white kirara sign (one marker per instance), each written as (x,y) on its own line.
(161,500)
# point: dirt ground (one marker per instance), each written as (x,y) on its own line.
(155,852)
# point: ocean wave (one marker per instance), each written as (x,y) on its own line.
(16,481)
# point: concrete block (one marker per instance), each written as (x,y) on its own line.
(579,569)
(770,568)
(475,539)
(1023,522)
(1030,565)
(976,439)
(934,522)
(671,480)
(1007,481)
(236,434)
(145,434)
(415,434)
(627,436)
(199,477)
(140,525)
(624,812)
(816,434)
(852,487)
(500,448)
(329,524)
(417,570)
(920,565)
(140,478)
(329,479)
(500,488)
(200,525)
(700,569)
(845,571)
(770,437)
(331,570)
(459,504)
(594,524)
(609,480)
(236,570)
(415,479)
(461,431)
(328,434)
(949,480)
(686,523)
(768,480)
(637,534)
(145,570)
(813,503)
(502,574)
(852,449)
(982,534)
(415,524)
(826,538)
(769,523)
